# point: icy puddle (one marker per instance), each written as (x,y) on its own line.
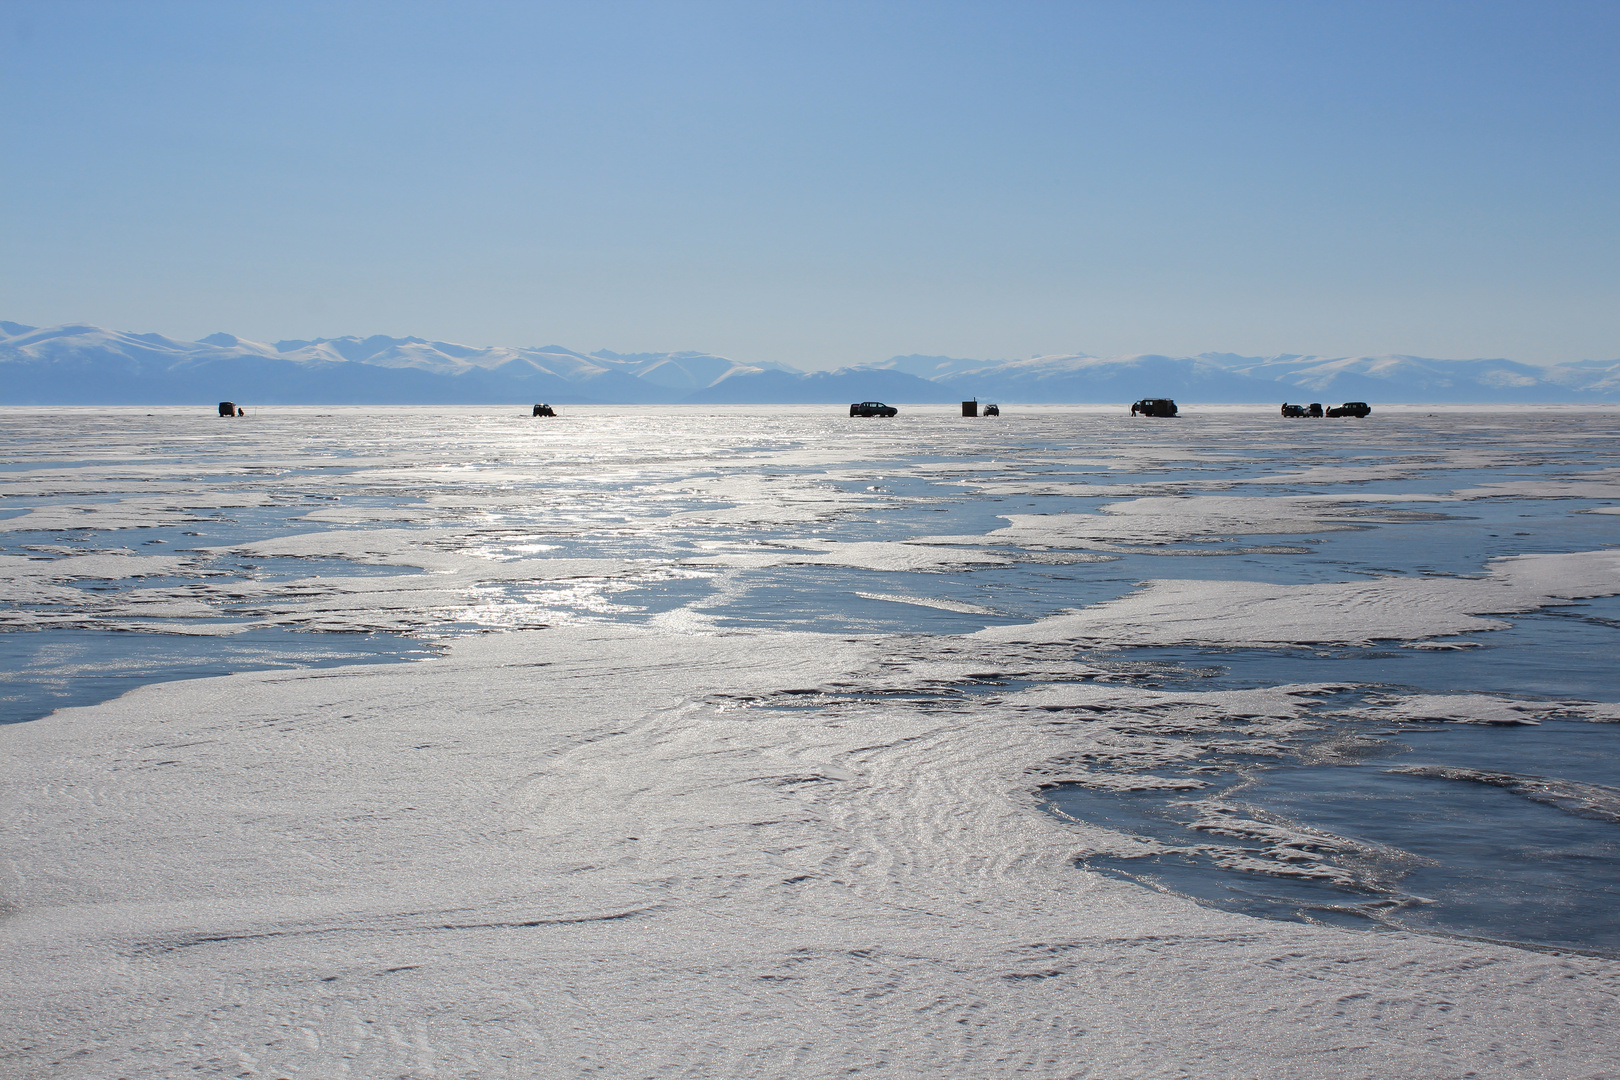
(1560,652)
(1419,828)
(53,669)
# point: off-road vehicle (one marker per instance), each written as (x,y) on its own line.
(1154,406)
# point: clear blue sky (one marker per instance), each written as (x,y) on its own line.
(822,183)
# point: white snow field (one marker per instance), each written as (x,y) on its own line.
(732,761)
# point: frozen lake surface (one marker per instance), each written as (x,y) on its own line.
(766,741)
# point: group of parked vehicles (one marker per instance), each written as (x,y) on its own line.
(1144,407)
(1349,408)
(877,408)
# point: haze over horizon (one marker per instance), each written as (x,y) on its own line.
(823,185)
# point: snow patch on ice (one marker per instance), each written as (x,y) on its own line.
(1264,615)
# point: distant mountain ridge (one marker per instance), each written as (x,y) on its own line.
(1227,377)
(90,365)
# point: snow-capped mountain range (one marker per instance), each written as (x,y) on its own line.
(82,364)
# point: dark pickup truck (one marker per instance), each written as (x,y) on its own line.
(872,408)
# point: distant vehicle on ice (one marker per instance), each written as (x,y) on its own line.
(872,408)
(992,410)
(1313,409)
(1154,406)
(544,410)
(1350,408)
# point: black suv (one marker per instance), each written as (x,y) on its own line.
(1350,408)
(872,408)
(1154,406)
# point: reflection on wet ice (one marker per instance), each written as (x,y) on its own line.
(1223,556)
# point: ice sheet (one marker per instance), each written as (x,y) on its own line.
(556,853)
(637,843)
